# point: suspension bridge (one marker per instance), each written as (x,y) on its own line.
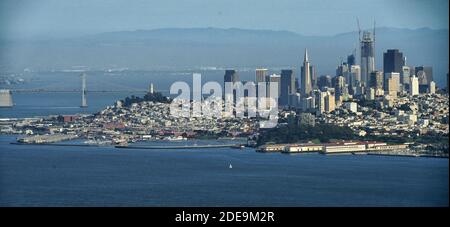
(83,90)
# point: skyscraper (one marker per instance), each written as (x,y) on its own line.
(305,76)
(351,60)
(287,86)
(414,86)
(354,78)
(312,71)
(393,82)
(324,81)
(260,77)
(404,76)
(376,80)
(342,70)
(339,83)
(230,76)
(274,78)
(393,62)
(367,56)
(395,76)
(432,87)
(424,74)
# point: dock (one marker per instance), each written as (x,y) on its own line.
(44,139)
(182,147)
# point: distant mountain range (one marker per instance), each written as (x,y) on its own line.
(233,48)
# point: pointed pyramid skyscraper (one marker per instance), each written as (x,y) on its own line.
(305,77)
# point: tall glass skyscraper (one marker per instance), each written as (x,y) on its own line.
(393,62)
(287,86)
(367,56)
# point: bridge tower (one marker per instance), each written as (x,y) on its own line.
(83,91)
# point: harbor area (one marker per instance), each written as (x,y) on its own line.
(347,147)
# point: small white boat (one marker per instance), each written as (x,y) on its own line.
(231,167)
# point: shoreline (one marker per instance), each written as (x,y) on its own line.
(216,146)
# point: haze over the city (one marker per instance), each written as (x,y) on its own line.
(56,18)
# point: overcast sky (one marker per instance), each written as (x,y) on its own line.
(56,18)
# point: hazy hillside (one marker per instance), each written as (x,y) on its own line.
(175,48)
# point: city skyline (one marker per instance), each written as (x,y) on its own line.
(178,103)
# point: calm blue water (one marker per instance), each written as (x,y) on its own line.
(104,176)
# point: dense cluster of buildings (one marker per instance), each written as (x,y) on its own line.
(404,116)
(141,121)
(352,81)
(400,100)
(403,99)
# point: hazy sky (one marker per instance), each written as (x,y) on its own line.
(43,18)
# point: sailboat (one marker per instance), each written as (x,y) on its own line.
(231,167)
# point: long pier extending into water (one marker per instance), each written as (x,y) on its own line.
(182,147)
(134,147)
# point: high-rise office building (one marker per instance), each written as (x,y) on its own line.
(287,86)
(396,77)
(329,103)
(412,71)
(393,83)
(308,103)
(339,84)
(312,71)
(432,87)
(405,74)
(424,74)
(305,76)
(273,78)
(414,86)
(342,70)
(326,102)
(324,81)
(230,76)
(354,78)
(370,95)
(376,80)
(393,61)
(351,60)
(260,77)
(321,102)
(355,71)
(367,56)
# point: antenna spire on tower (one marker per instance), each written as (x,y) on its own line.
(306,55)
(359,29)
